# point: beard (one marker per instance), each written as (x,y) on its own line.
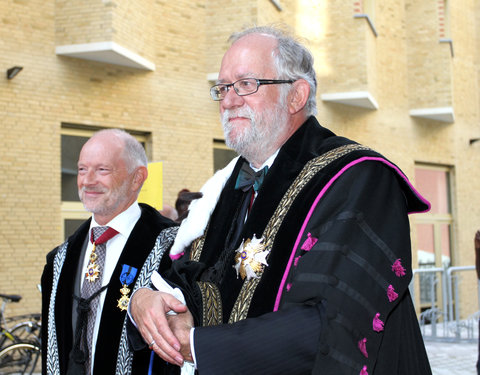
(260,140)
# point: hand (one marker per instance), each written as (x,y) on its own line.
(148,309)
(181,325)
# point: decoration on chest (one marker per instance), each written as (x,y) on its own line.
(250,258)
(93,271)
(126,278)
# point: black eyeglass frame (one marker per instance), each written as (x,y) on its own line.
(258,81)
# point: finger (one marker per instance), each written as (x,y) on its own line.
(159,344)
(158,351)
(172,303)
(181,325)
(147,326)
(165,351)
(147,308)
(161,322)
(166,340)
(151,345)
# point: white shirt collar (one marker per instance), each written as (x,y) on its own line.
(268,163)
(124,222)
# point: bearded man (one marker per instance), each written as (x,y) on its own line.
(297,259)
(87,281)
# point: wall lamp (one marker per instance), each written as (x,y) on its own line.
(473,140)
(12,72)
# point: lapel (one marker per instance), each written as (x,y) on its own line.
(65,291)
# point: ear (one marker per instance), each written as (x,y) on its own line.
(139,177)
(298,96)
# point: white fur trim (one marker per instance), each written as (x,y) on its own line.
(201,209)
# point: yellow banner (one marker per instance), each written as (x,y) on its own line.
(152,190)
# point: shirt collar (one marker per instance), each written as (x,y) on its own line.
(124,222)
(268,163)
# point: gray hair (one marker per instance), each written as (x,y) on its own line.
(292,60)
(133,151)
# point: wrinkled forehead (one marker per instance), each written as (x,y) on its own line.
(102,150)
(250,56)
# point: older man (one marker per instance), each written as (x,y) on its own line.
(306,271)
(87,280)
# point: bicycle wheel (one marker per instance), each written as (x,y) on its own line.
(28,331)
(6,339)
(20,358)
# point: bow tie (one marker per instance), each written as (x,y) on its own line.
(247,178)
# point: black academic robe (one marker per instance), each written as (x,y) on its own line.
(138,247)
(311,311)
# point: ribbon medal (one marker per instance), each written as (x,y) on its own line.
(93,271)
(250,258)
(126,278)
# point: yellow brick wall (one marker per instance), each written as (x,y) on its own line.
(78,21)
(429,61)
(404,67)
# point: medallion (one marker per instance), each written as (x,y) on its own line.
(126,278)
(250,258)
(92,273)
(124,299)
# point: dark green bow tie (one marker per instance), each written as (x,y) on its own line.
(247,178)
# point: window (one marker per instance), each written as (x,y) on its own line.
(434,229)
(73,137)
(222,155)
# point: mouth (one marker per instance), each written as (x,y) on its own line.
(92,193)
(238,119)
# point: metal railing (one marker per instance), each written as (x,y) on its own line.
(441,320)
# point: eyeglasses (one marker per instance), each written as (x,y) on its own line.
(242,87)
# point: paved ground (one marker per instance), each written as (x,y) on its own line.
(452,358)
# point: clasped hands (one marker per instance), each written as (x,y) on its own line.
(169,335)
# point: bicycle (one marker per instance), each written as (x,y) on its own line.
(20,358)
(20,340)
(26,327)
(6,335)
(18,328)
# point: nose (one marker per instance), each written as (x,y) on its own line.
(232,100)
(87,178)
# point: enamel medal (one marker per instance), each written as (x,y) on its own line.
(250,258)
(126,278)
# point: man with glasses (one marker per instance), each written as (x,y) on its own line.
(297,258)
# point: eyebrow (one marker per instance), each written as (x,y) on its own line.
(238,77)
